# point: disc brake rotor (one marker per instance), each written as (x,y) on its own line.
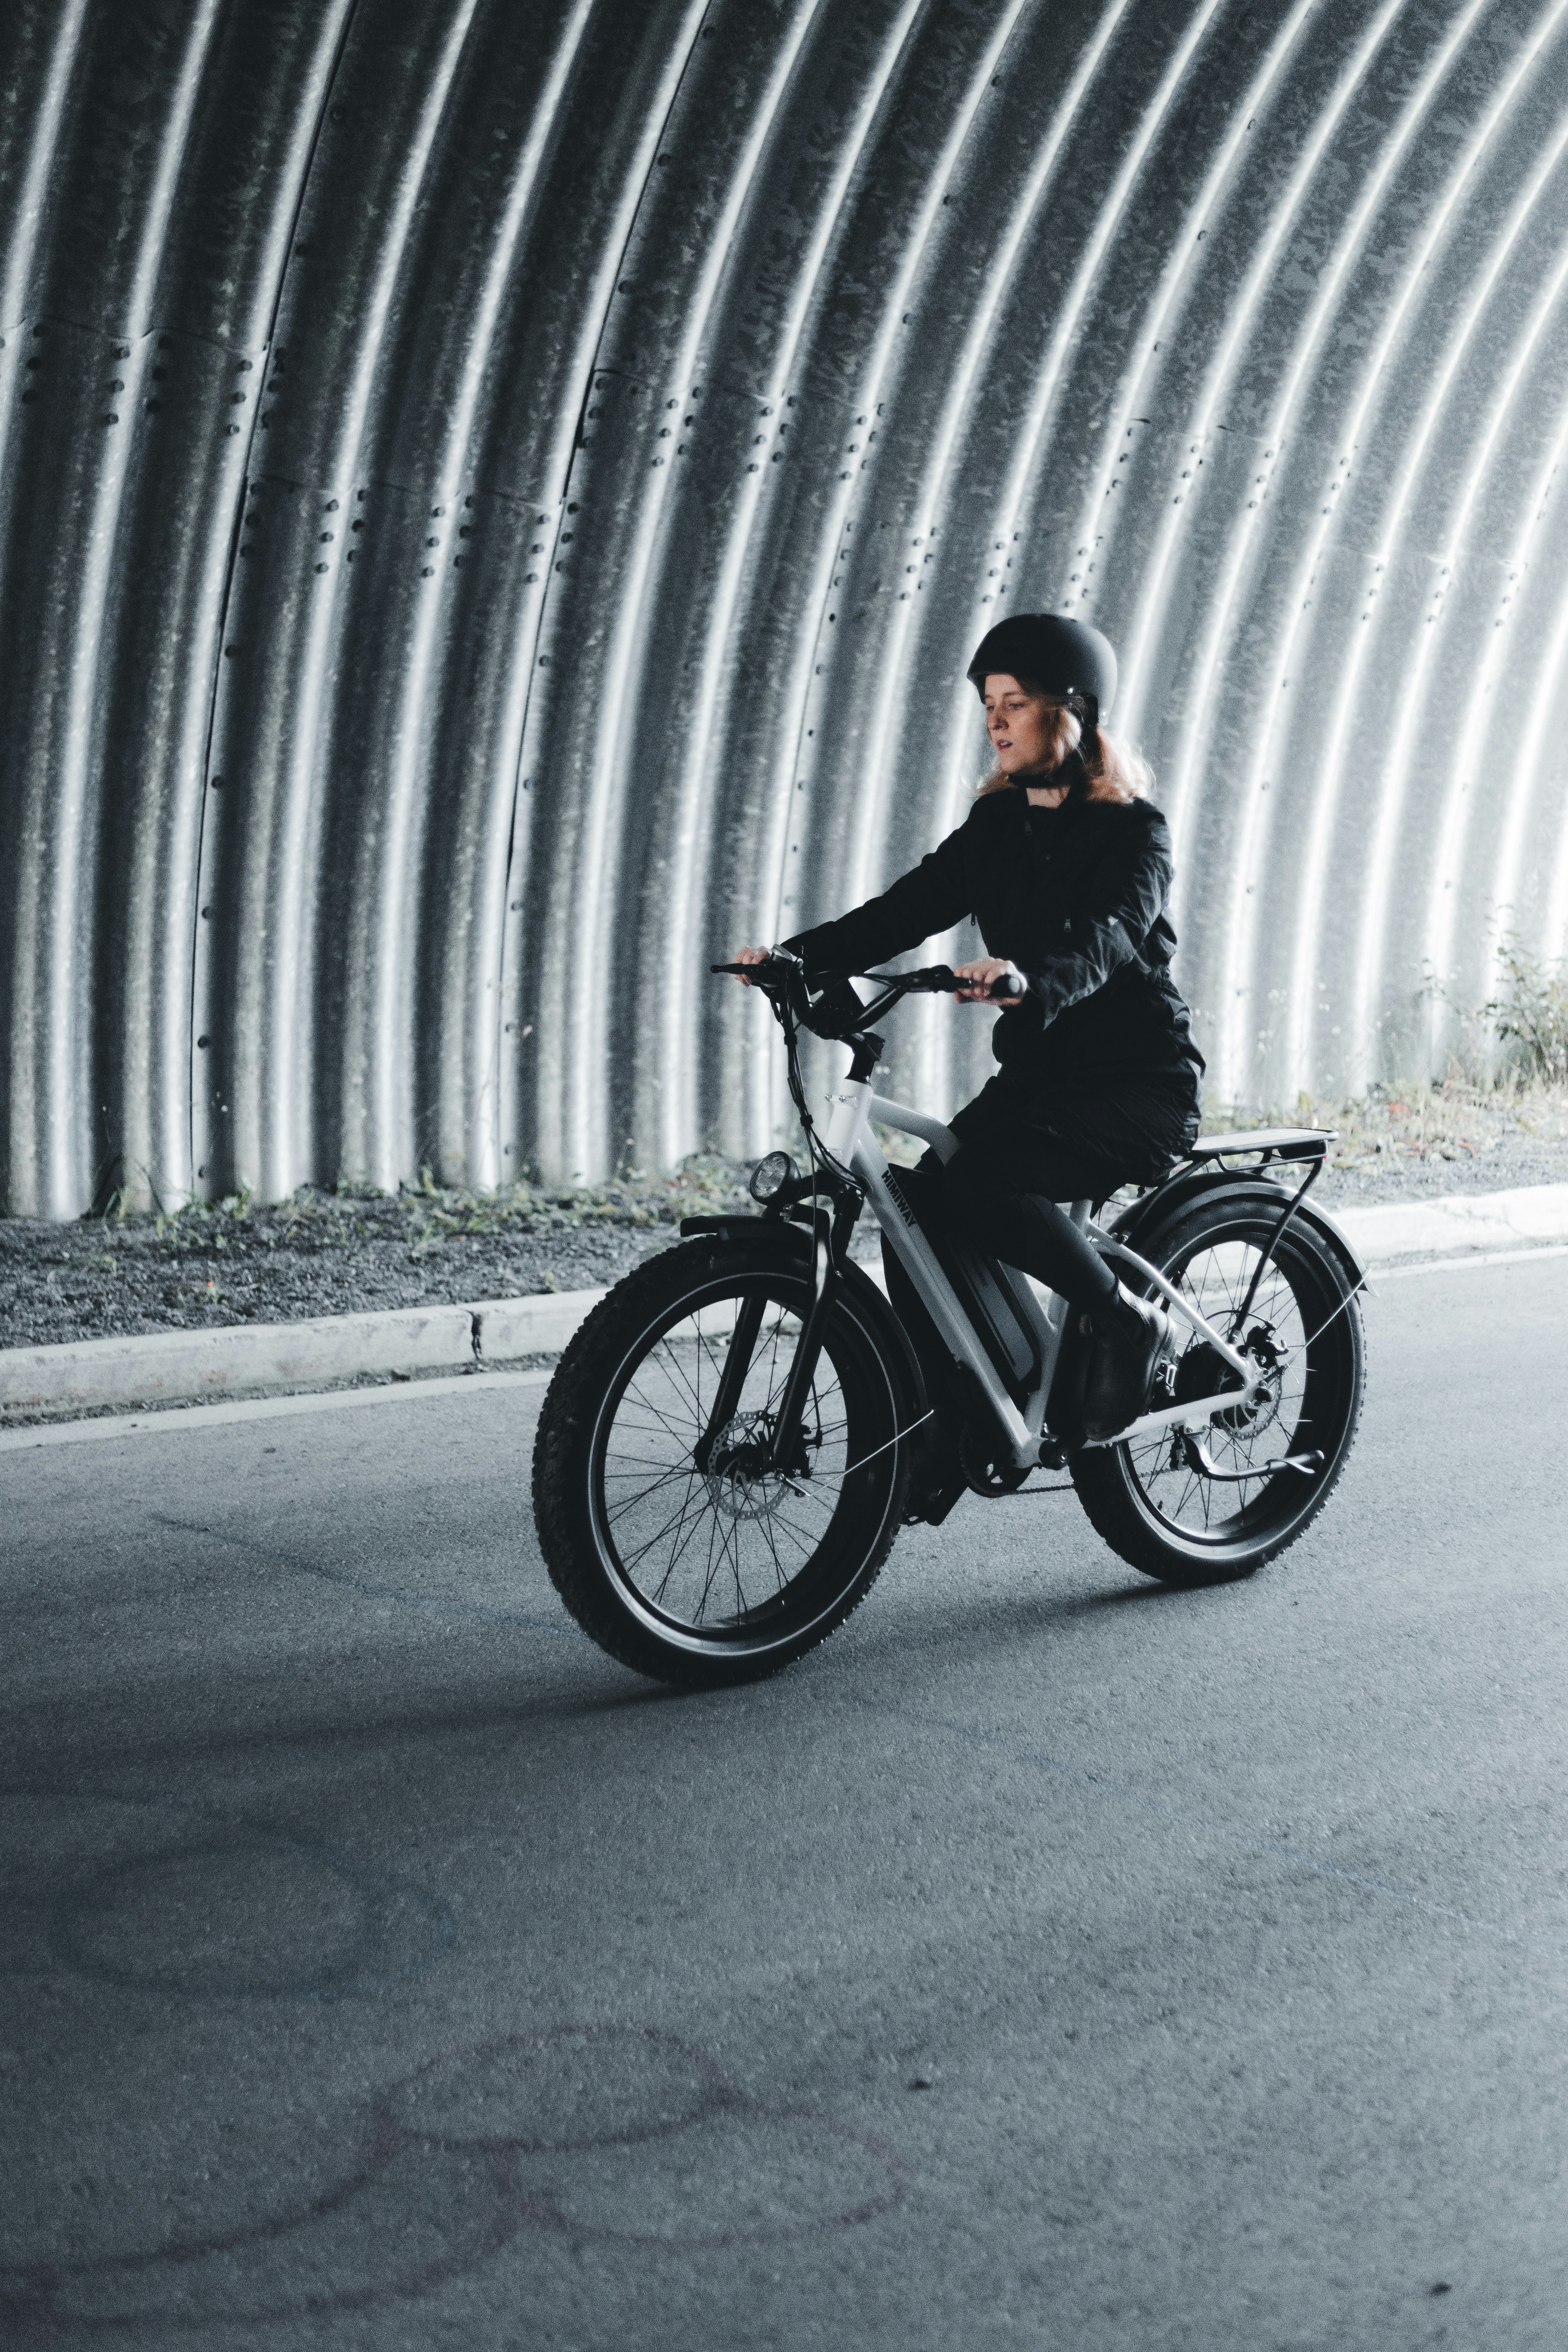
(738,1485)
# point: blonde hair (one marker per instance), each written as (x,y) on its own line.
(1119,774)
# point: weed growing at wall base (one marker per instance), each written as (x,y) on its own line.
(1530,1014)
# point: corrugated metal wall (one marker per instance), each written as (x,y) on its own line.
(497,503)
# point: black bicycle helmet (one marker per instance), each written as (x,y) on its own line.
(1048,650)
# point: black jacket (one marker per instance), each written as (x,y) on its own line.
(1076,898)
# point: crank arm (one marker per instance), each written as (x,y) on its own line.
(1198,1460)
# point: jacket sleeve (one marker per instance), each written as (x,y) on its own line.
(931,897)
(1122,897)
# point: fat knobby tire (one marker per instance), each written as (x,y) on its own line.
(643,1304)
(1102,1474)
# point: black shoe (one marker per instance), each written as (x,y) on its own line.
(1129,1333)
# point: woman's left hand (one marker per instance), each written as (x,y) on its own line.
(981,977)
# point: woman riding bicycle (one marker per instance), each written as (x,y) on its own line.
(1066,871)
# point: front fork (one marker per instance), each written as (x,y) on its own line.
(850,1101)
(731,1380)
(782,1450)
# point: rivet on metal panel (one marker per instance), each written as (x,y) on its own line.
(320,567)
(202,1044)
(428,571)
(215,784)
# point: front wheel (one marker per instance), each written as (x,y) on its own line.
(1194,1508)
(670,1542)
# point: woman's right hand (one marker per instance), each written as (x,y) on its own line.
(748,955)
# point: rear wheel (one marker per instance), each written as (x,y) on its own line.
(1209,1507)
(705,1567)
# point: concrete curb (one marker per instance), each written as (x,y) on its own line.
(168,1368)
(175,1366)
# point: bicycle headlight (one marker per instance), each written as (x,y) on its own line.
(771,1175)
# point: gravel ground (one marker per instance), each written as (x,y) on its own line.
(345,1252)
(332,1253)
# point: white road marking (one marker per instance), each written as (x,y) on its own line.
(1454,1265)
(170,1419)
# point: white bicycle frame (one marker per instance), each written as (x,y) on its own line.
(850,1139)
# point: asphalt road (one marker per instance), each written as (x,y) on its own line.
(1052,1960)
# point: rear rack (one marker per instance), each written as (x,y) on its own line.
(1266,1143)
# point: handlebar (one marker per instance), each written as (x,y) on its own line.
(932,979)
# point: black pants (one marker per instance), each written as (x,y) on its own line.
(1019,1155)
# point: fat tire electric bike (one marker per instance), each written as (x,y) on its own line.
(735,1436)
